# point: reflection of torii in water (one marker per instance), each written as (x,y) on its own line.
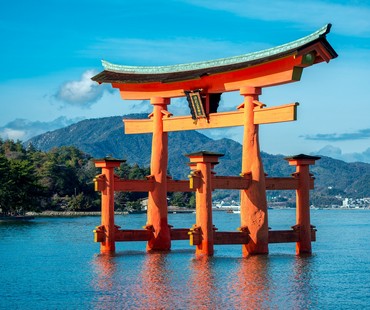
(203,83)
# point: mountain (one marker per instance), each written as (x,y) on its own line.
(105,136)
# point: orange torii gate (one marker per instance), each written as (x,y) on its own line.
(203,83)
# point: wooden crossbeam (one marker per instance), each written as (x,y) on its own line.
(133,235)
(179,186)
(283,236)
(218,182)
(220,237)
(179,233)
(230,237)
(226,182)
(133,185)
(283,113)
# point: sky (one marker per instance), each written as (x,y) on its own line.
(51,49)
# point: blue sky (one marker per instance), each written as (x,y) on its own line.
(50,49)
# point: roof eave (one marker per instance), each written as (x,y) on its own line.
(129,74)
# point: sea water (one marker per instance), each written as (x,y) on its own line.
(53,263)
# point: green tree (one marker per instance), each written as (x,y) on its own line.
(182,200)
(24,191)
(66,172)
(5,184)
(78,203)
(131,200)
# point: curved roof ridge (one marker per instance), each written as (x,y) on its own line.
(221,61)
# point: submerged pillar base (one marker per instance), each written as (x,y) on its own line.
(161,241)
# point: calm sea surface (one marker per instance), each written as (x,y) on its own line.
(53,263)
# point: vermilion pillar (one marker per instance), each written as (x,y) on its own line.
(253,202)
(157,200)
(303,222)
(204,162)
(107,203)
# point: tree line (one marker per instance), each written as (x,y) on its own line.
(62,180)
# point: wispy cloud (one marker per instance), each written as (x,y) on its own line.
(357,135)
(142,106)
(164,52)
(23,129)
(233,133)
(349,18)
(83,92)
(336,152)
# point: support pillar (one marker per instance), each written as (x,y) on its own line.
(107,227)
(303,222)
(157,200)
(253,202)
(202,163)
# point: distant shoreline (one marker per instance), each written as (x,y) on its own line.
(98,213)
(69,213)
(94,213)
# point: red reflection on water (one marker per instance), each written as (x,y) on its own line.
(304,292)
(205,283)
(251,288)
(104,283)
(149,287)
(202,284)
(105,267)
(156,288)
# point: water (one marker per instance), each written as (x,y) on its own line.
(53,263)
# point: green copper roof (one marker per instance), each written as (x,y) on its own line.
(250,57)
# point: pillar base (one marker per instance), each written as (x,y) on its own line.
(107,249)
(252,249)
(160,242)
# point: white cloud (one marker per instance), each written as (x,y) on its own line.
(22,129)
(171,51)
(12,134)
(336,152)
(233,133)
(349,19)
(83,92)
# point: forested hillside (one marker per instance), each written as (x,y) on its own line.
(105,136)
(60,179)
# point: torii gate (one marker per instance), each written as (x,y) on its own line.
(203,83)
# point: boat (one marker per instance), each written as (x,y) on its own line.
(232,211)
